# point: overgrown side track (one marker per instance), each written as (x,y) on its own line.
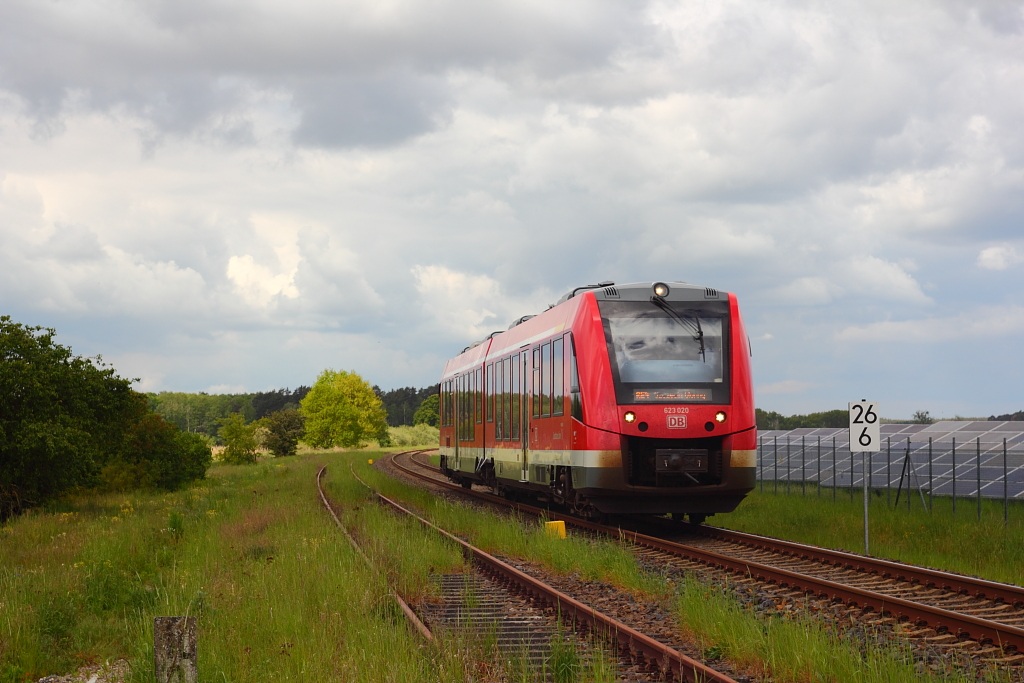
(637,648)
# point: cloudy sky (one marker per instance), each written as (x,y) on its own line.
(233,195)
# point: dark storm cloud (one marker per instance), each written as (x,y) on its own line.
(370,111)
(354,75)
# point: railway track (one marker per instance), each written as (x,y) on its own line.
(935,611)
(504,600)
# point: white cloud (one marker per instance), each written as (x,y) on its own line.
(258,284)
(977,325)
(803,291)
(870,276)
(999,257)
(464,303)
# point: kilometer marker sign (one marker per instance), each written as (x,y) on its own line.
(865,427)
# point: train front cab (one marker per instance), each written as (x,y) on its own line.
(654,439)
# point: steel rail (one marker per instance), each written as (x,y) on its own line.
(412,617)
(962,625)
(627,638)
(967,585)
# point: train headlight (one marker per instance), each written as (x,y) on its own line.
(660,290)
(629,417)
(720,416)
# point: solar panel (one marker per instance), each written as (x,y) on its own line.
(912,456)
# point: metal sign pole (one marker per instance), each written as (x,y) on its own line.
(864,456)
(865,437)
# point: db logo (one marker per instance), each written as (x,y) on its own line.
(675,421)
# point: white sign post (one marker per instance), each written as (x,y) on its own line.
(865,437)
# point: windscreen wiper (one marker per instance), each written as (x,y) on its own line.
(692,324)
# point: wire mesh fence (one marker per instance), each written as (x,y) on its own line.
(966,462)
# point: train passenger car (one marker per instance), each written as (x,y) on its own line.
(616,400)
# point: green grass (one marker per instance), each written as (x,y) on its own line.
(280,595)
(959,543)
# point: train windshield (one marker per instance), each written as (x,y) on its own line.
(667,352)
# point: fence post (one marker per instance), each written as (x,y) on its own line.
(835,470)
(851,468)
(931,482)
(789,462)
(803,465)
(1006,499)
(954,476)
(819,466)
(776,489)
(977,463)
(760,460)
(175,650)
(888,471)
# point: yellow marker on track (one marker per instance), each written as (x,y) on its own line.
(555,528)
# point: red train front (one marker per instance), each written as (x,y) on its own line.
(619,399)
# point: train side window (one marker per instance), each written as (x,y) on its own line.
(477,398)
(451,402)
(457,403)
(557,375)
(470,400)
(545,380)
(499,399)
(464,397)
(574,382)
(514,391)
(469,406)
(536,381)
(507,417)
(490,392)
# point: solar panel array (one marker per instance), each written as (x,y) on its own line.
(947,458)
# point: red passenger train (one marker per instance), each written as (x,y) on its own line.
(618,399)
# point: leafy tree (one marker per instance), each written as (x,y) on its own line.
(428,412)
(829,418)
(61,417)
(922,417)
(201,413)
(418,435)
(343,410)
(158,455)
(239,439)
(267,402)
(284,429)
(401,404)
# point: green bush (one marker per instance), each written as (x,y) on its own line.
(418,435)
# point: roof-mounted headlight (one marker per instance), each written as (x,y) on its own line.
(660,290)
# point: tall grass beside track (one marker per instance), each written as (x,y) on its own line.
(280,595)
(938,538)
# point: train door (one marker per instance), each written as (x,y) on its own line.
(523,408)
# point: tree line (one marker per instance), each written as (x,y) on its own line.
(202,413)
(841,418)
(70,422)
(829,418)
